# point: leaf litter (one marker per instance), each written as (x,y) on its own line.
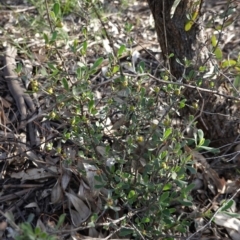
(33,181)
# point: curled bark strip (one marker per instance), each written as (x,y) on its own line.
(17,90)
(15,87)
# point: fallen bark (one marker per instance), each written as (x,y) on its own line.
(17,90)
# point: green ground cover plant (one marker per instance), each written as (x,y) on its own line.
(116,158)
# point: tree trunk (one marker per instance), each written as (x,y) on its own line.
(188,41)
(171,33)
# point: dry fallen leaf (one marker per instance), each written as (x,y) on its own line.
(57,193)
(66,177)
(82,212)
(33,205)
(230,223)
(91,172)
(36,173)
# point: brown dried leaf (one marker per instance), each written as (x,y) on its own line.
(98,206)
(82,212)
(91,172)
(33,205)
(84,190)
(36,173)
(76,220)
(56,194)
(66,177)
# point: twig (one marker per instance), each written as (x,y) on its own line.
(25,9)
(114,232)
(87,227)
(136,229)
(186,85)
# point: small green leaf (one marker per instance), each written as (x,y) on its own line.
(91,105)
(164,197)
(19,68)
(186,203)
(37,231)
(200,134)
(218,53)
(234,215)
(74,91)
(121,50)
(65,84)
(172,210)
(167,186)
(219,27)
(116,209)
(61,220)
(195,137)
(56,8)
(228,63)
(214,41)
(128,27)
(30,217)
(179,62)
(115,69)
(167,132)
(236,82)
(228,23)
(99,186)
(131,194)
(45,36)
(54,36)
(51,66)
(84,48)
(97,63)
(209,149)
(202,68)
(201,141)
(145,220)
(227,205)
(94,217)
(195,15)
(84,31)
(124,232)
(182,103)
(191,169)
(52,15)
(188,25)
(189,188)
(98,178)
(141,67)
